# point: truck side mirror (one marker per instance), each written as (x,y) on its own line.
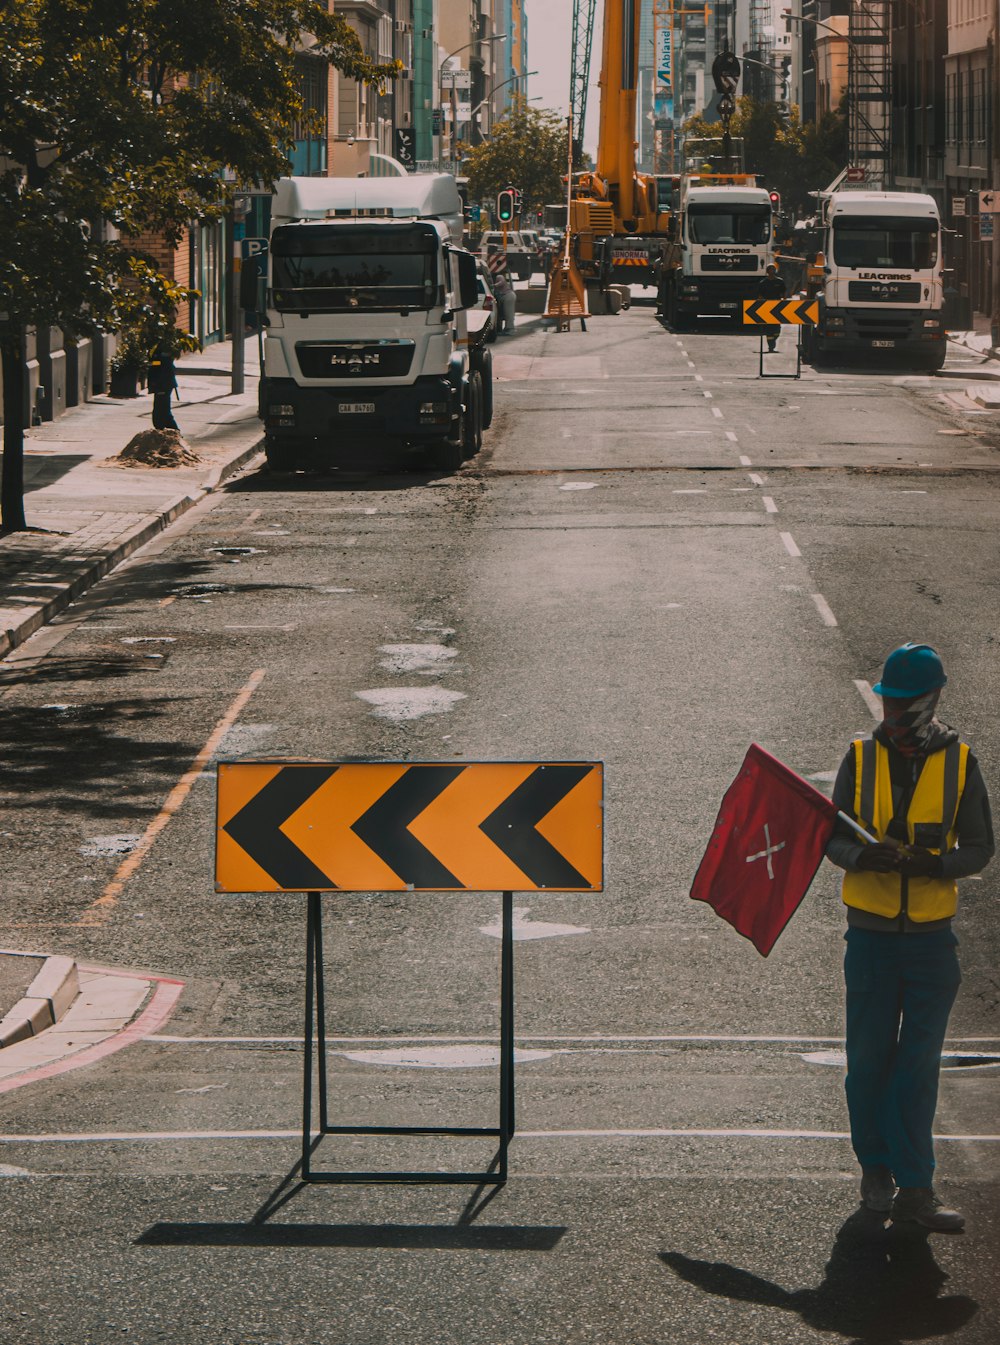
(468,279)
(251,290)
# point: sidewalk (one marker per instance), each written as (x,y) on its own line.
(86,515)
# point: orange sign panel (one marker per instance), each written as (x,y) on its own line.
(311,826)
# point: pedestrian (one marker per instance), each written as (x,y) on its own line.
(916,786)
(772,287)
(503,287)
(162,383)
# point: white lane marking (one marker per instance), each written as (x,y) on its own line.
(756,478)
(731,436)
(172,639)
(706,393)
(579,485)
(440,1057)
(698,377)
(913,492)
(789,543)
(869,698)
(716,412)
(744,460)
(170,1039)
(288,625)
(402,703)
(431,659)
(823,607)
(689,492)
(769,506)
(524,928)
(159,1136)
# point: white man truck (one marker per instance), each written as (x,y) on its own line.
(367,349)
(722,246)
(879,279)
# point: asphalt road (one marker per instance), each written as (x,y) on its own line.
(658,558)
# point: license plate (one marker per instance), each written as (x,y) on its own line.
(883,345)
(356,408)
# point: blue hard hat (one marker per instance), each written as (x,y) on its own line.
(911,670)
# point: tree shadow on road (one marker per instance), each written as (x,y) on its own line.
(881,1286)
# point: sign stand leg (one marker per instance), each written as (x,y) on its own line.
(315,1041)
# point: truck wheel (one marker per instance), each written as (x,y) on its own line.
(449,454)
(935,360)
(279,458)
(484,364)
(473,417)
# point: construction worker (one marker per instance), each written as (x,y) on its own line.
(162,383)
(918,789)
(503,288)
(772,287)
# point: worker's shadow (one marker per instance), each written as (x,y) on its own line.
(881,1286)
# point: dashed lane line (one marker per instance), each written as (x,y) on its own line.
(824,609)
(869,698)
(789,544)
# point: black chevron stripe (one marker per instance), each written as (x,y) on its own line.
(384,827)
(256,828)
(511,827)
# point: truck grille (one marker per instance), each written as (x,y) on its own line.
(729,263)
(883,292)
(351,360)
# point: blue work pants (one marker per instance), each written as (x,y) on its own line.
(900,989)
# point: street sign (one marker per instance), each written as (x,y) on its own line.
(958,204)
(989,203)
(986,228)
(856,175)
(779,312)
(378,827)
(456,79)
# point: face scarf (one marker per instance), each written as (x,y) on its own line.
(910,725)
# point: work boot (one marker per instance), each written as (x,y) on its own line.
(919,1205)
(877,1189)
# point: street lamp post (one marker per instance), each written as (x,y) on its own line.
(497,37)
(496,89)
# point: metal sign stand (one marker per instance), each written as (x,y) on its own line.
(798,356)
(315,1037)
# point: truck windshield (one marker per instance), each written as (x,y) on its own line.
(708,223)
(319,268)
(905,244)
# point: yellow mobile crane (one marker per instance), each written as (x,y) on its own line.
(615,220)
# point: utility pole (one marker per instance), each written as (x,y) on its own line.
(993,42)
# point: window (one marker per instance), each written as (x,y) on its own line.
(908,244)
(729,224)
(333,268)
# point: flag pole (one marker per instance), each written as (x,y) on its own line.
(859,829)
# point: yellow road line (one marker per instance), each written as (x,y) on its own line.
(100,910)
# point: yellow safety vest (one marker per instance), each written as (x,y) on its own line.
(930,823)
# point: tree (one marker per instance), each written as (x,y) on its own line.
(791,158)
(527,148)
(119,117)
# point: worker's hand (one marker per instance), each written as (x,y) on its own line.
(879,859)
(915,862)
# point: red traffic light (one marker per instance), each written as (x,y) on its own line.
(775,200)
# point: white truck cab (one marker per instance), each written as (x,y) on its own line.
(367,343)
(722,248)
(882,283)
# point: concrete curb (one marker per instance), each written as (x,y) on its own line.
(36,617)
(47,998)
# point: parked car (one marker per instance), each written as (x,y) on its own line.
(520,256)
(487,300)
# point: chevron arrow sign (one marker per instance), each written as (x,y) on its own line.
(421,826)
(775,312)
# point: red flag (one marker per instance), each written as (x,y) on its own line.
(765,849)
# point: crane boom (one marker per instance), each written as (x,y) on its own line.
(579,75)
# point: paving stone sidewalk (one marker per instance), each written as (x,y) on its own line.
(86,514)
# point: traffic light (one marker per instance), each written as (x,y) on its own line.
(775,201)
(506,205)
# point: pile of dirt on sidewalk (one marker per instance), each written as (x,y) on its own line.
(156,448)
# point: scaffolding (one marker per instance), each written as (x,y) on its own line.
(869,90)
